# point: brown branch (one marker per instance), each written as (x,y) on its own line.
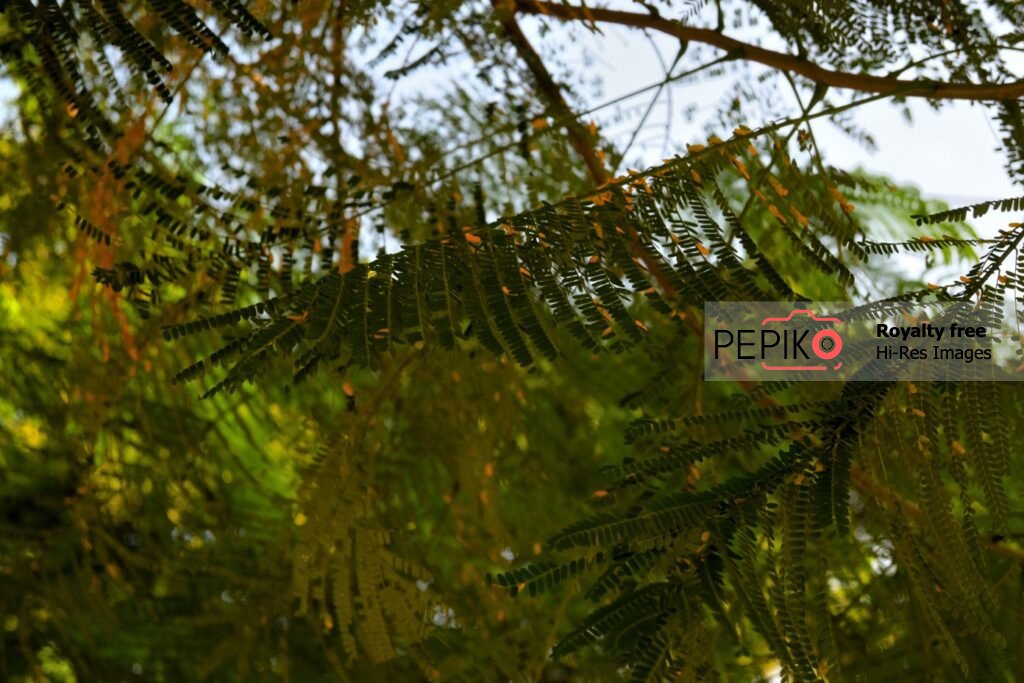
(780,60)
(580,138)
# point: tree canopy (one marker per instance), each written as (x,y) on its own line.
(342,342)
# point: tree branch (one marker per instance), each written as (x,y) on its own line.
(579,136)
(779,60)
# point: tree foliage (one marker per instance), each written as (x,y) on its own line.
(340,343)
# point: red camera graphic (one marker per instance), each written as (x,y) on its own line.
(825,344)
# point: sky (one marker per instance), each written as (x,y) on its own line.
(952,154)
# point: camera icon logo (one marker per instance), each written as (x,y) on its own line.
(826,344)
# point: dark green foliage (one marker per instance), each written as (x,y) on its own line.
(409,427)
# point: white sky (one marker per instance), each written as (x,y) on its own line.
(952,154)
